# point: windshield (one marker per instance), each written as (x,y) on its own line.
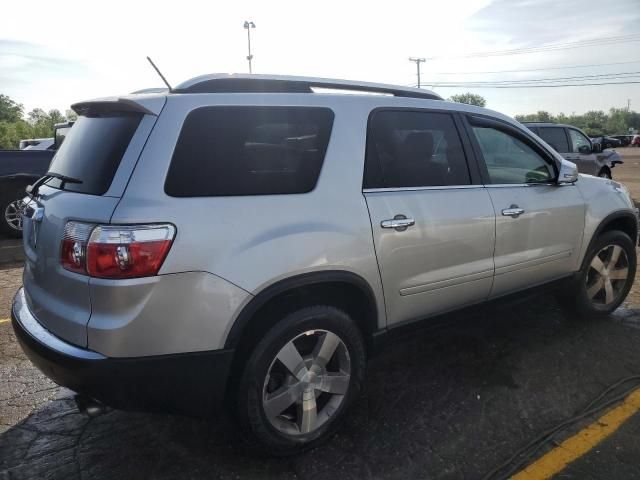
(92,151)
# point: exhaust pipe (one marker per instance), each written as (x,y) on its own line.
(89,406)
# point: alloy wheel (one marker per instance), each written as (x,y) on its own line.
(307,382)
(13,215)
(607,275)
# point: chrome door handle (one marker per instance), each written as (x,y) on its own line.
(399,222)
(513,211)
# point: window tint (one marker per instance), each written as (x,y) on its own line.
(414,149)
(578,140)
(92,151)
(555,137)
(224,151)
(509,160)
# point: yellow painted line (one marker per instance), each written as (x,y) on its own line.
(575,447)
(5,320)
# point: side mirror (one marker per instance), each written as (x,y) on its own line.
(597,148)
(586,149)
(568,172)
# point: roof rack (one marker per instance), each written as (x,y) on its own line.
(251,83)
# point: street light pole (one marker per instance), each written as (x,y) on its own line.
(418,62)
(248,26)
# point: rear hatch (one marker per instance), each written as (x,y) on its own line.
(98,157)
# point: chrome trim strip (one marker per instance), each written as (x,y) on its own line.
(29,323)
(417,189)
(506,185)
(536,262)
(450,282)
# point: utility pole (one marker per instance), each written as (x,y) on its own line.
(248,25)
(628,104)
(418,62)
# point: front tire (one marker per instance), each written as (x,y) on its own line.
(301,379)
(606,276)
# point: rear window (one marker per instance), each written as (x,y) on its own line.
(92,151)
(228,151)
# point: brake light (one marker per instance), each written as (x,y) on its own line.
(128,251)
(74,246)
(116,251)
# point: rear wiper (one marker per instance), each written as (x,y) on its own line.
(32,190)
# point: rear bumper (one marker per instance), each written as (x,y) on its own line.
(189,383)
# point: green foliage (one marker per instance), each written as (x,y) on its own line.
(38,123)
(468,98)
(595,122)
(10,111)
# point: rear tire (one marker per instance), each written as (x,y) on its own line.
(300,380)
(10,220)
(606,276)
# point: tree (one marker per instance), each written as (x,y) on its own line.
(468,98)
(10,111)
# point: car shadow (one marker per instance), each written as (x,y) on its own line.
(447,402)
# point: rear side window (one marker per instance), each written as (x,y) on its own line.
(555,137)
(227,151)
(92,152)
(414,149)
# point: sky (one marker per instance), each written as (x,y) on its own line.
(53,54)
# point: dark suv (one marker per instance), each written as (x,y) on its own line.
(574,145)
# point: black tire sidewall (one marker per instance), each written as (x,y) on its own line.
(614,237)
(5,228)
(249,408)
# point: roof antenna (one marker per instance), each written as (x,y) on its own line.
(159,73)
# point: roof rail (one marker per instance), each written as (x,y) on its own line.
(251,83)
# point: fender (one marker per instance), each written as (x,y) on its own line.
(621,214)
(291,283)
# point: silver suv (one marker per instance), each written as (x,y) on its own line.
(254,238)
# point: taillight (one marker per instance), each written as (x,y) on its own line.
(74,246)
(122,251)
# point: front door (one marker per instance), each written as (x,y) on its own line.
(433,226)
(581,153)
(539,224)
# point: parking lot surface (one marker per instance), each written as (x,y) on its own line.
(451,402)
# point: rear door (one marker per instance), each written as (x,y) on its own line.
(433,223)
(539,224)
(100,152)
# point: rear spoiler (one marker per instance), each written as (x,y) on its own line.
(148,106)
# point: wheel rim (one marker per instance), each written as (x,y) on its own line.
(307,382)
(13,215)
(607,276)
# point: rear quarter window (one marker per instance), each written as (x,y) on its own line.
(230,151)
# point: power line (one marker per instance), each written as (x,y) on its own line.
(551,47)
(540,69)
(457,85)
(601,76)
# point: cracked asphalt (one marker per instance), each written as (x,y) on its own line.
(446,403)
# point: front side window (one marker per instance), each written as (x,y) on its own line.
(229,151)
(414,149)
(555,137)
(579,143)
(509,160)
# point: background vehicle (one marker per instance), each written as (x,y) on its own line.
(574,145)
(635,141)
(607,142)
(19,168)
(36,144)
(245,238)
(625,140)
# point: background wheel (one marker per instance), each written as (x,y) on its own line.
(301,379)
(10,218)
(605,173)
(606,276)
